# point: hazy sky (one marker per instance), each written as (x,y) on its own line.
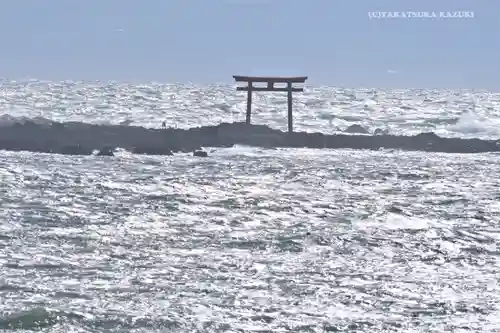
(334,42)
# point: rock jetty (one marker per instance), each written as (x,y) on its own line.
(76,138)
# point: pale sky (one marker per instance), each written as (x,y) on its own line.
(334,42)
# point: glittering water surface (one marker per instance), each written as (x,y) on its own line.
(464,113)
(398,242)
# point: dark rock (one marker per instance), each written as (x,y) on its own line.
(380,131)
(200,153)
(30,124)
(58,126)
(106,151)
(428,136)
(75,138)
(305,140)
(358,129)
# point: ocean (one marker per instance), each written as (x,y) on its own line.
(251,239)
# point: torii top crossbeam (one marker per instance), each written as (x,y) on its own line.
(277,79)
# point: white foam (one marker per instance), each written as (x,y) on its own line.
(474,124)
(392,221)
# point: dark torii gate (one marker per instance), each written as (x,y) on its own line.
(270,87)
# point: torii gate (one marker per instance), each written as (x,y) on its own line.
(270,87)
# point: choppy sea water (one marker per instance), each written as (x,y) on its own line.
(250,239)
(464,113)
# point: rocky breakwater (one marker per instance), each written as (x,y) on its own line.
(78,138)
